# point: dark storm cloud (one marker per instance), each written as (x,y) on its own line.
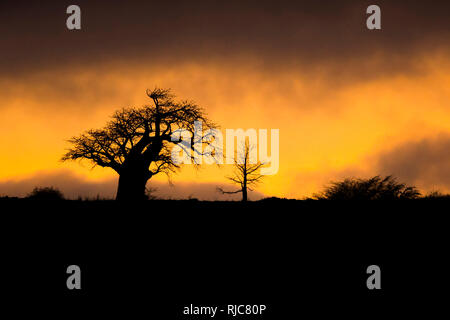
(276,33)
(74,186)
(425,163)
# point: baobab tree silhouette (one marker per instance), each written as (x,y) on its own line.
(246,173)
(136,142)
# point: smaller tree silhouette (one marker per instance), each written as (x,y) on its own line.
(375,188)
(45,193)
(246,173)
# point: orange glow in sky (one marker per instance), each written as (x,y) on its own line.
(328,129)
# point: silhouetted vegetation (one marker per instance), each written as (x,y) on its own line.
(137,143)
(436,195)
(375,188)
(150,193)
(246,172)
(45,193)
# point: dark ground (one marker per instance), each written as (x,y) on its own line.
(301,258)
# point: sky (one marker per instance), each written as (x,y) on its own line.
(348,101)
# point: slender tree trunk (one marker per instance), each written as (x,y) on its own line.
(132,186)
(244,194)
(244,189)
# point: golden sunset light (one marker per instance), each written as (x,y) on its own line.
(225,159)
(339,113)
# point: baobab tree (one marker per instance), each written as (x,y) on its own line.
(136,142)
(246,171)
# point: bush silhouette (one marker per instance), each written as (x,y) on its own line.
(436,195)
(46,193)
(375,188)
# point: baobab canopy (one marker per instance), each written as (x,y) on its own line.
(136,142)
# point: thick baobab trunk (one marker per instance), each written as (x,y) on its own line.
(132,186)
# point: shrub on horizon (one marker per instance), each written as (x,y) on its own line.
(375,188)
(45,193)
